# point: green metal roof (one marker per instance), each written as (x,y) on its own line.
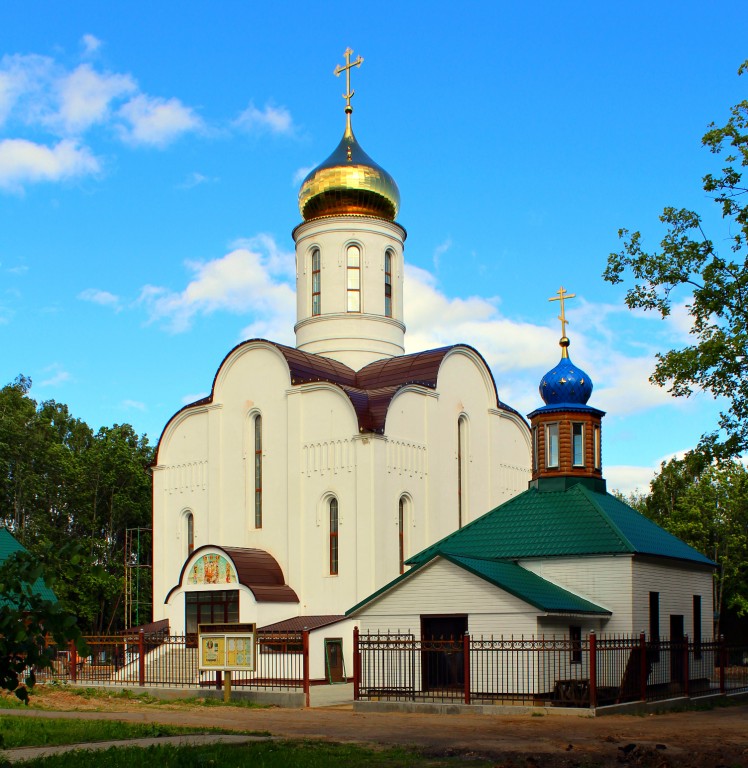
(512,578)
(8,546)
(528,586)
(574,521)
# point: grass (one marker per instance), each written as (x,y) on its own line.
(37,732)
(262,755)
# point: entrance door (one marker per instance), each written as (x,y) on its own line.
(677,641)
(442,658)
(209,607)
(334,660)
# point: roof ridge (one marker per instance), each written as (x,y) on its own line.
(605,516)
(435,548)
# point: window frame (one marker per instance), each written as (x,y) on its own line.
(257,432)
(388,256)
(401,522)
(551,442)
(575,644)
(333,527)
(316,282)
(190,532)
(353,273)
(577,441)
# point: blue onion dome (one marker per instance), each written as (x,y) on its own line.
(565,383)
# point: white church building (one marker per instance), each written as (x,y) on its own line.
(307,478)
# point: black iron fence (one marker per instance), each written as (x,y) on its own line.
(163,660)
(557,671)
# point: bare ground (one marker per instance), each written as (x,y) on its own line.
(715,738)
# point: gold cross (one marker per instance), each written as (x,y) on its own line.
(347,69)
(562,296)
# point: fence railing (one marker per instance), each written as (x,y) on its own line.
(159,659)
(556,671)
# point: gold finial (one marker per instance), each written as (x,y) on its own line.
(562,296)
(347,67)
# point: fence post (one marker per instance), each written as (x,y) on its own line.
(305,646)
(356,665)
(73,661)
(593,670)
(722,663)
(141,658)
(643,671)
(686,670)
(466,665)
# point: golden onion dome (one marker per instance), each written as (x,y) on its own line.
(349,182)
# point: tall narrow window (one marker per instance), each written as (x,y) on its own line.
(551,446)
(575,638)
(190,524)
(333,537)
(577,444)
(388,286)
(354,278)
(258,471)
(654,625)
(697,626)
(316,281)
(401,532)
(461,470)
(598,462)
(535,449)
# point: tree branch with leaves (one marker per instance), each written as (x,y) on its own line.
(715,284)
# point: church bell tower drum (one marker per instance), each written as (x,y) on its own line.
(349,255)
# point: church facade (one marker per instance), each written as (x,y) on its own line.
(310,474)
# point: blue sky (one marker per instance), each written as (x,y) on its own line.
(151,153)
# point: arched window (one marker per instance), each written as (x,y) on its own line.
(333,537)
(354,278)
(316,283)
(401,526)
(258,471)
(462,455)
(388,284)
(189,522)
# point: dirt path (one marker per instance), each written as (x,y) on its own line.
(716,738)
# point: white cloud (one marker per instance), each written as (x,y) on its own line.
(23,80)
(104,298)
(57,375)
(242,281)
(440,250)
(301,174)
(85,97)
(134,405)
(91,44)
(188,399)
(23,161)
(155,121)
(40,95)
(195,179)
(270,119)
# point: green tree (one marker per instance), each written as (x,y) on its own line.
(60,481)
(706,505)
(715,283)
(27,621)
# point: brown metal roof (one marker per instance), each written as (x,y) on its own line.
(259,571)
(371,389)
(299,623)
(255,569)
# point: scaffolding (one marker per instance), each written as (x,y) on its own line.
(138,577)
